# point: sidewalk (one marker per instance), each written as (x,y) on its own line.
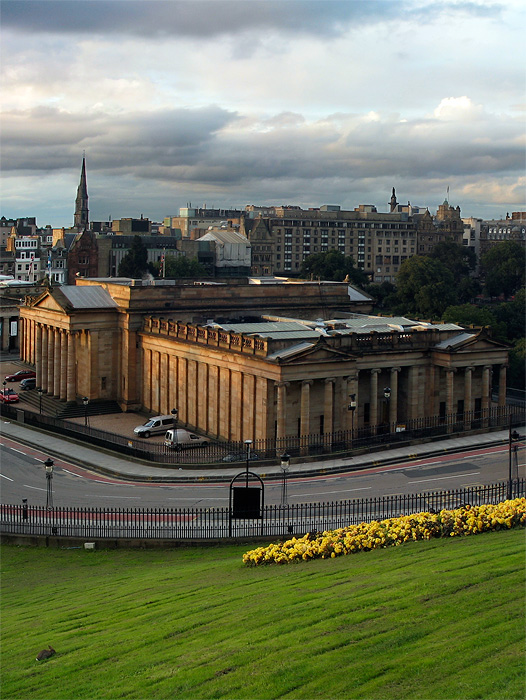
(110,464)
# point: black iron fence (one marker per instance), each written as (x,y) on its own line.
(218,523)
(338,442)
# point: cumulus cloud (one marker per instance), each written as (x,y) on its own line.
(266,101)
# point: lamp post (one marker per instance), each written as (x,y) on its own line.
(49,481)
(247,443)
(40,392)
(351,406)
(175,416)
(85,401)
(285,464)
(387,397)
(514,437)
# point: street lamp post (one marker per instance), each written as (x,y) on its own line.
(40,392)
(85,401)
(352,408)
(387,397)
(49,482)
(514,437)
(285,464)
(175,416)
(248,443)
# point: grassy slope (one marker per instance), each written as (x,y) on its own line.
(439,619)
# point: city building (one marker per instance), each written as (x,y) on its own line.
(255,361)
(231,250)
(378,242)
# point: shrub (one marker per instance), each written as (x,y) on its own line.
(466,520)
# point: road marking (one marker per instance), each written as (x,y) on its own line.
(326,493)
(19,451)
(130,498)
(186,498)
(439,478)
(33,487)
(72,473)
(5,477)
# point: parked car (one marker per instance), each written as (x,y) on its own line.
(240,457)
(184,439)
(9,396)
(154,426)
(29,383)
(21,374)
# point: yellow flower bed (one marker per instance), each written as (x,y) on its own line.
(467,520)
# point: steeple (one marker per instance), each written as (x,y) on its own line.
(393,203)
(81,202)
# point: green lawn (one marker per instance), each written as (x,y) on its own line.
(438,619)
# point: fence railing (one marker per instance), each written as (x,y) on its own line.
(341,441)
(219,523)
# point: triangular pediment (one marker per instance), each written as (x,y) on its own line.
(47,302)
(319,352)
(470,342)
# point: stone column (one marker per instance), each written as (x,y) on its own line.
(281,413)
(374,399)
(486,393)
(305,428)
(57,369)
(413,389)
(22,338)
(33,342)
(393,403)
(328,410)
(63,365)
(50,359)
(43,379)
(502,385)
(71,381)
(164,384)
(468,397)
(38,355)
(450,397)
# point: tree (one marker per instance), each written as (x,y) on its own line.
(135,263)
(425,286)
(332,265)
(511,315)
(461,261)
(503,268)
(181,266)
(471,315)
(384,294)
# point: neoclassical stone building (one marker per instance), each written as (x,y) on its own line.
(259,362)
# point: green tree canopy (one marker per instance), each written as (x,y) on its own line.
(503,268)
(471,315)
(135,263)
(332,265)
(181,266)
(459,259)
(425,286)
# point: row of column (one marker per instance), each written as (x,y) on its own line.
(420,400)
(52,352)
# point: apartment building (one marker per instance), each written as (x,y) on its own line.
(378,242)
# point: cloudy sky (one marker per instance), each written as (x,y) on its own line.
(235,102)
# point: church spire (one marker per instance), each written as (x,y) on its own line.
(393,203)
(81,202)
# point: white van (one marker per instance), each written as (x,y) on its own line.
(184,439)
(154,426)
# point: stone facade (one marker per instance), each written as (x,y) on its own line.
(265,375)
(377,242)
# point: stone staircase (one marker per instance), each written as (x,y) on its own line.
(60,409)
